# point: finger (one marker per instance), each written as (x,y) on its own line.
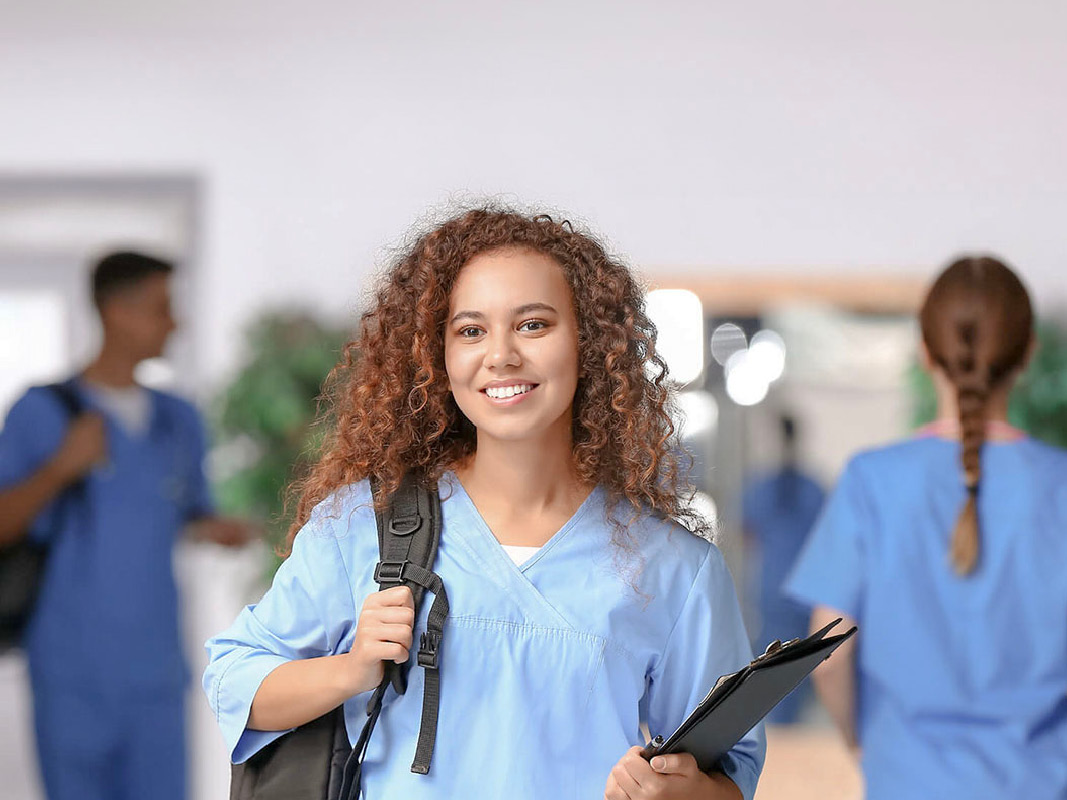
(612,791)
(391,615)
(400,634)
(91,420)
(395,596)
(638,769)
(388,651)
(675,764)
(637,765)
(628,786)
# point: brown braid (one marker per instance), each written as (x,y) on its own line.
(977,325)
(972,394)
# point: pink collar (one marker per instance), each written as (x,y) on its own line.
(996,431)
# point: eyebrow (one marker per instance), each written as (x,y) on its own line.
(515,312)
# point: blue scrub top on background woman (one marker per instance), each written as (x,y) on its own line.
(962,684)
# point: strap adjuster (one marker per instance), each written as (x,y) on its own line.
(389,571)
(403,526)
(428,652)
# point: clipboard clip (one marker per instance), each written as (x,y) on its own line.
(773,649)
(651,748)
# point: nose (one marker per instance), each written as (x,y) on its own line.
(502,352)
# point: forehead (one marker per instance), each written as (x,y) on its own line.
(509,278)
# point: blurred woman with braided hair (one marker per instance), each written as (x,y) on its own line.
(949,550)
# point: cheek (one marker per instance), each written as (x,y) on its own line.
(568,362)
(454,366)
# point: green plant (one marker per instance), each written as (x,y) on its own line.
(263,418)
(1038,404)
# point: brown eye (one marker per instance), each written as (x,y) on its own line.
(533,325)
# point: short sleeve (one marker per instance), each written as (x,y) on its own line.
(708,640)
(32,433)
(199,502)
(831,568)
(308,612)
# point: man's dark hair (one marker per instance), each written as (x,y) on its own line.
(117,271)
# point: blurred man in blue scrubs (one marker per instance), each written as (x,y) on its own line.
(778,510)
(103,647)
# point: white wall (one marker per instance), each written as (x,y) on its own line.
(764,135)
(768,135)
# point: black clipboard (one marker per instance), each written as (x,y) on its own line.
(740,700)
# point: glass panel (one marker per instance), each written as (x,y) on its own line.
(33,336)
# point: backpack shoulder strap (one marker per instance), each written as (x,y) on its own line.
(67,396)
(409,532)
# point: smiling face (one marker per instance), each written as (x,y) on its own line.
(511,346)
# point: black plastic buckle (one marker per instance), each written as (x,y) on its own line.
(428,644)
(389,571)
(402,526)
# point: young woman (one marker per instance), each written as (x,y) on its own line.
(507,358)
(949,552)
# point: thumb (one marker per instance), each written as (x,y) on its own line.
(676,764)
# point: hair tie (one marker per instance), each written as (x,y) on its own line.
(972,489)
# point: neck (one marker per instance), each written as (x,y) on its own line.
(948,415)
(525,477)
(112,367)
(948,409)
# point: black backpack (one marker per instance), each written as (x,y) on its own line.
(315,761)
(22,563)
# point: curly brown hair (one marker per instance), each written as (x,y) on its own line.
(389,410)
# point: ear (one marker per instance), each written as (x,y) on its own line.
(114,313)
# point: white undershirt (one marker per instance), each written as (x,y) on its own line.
(519,553)
(129,405)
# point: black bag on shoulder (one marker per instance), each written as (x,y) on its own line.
(315,761)
(22,563)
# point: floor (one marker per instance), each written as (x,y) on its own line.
(808,763)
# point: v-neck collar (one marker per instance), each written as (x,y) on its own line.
(91,400)
(491,545)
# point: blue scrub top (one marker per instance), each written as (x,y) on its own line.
(547,669)
(107,613)
(962,682)
(779,510)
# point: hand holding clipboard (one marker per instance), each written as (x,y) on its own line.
(739,701)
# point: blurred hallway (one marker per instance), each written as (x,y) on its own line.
(808,763)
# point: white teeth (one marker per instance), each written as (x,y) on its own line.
(504,392)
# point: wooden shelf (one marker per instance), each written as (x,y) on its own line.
(735,293)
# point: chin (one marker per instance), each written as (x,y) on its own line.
(507,436)
(516,433)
